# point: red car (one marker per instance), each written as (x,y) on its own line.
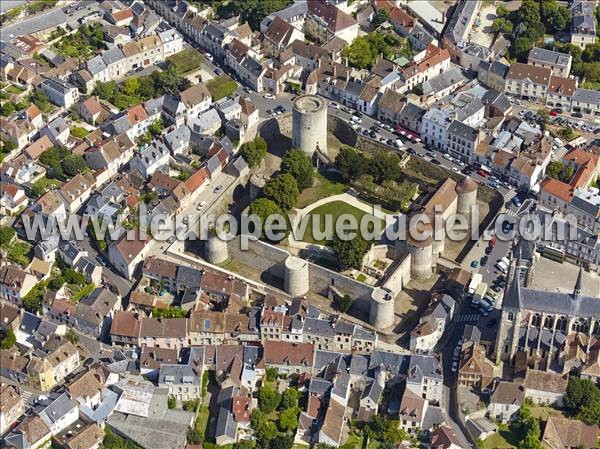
(553,113)
(483,173)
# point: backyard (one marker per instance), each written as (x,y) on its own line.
(221,87)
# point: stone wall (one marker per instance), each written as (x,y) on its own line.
(268,261)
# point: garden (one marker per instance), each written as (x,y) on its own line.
(221,86)
(187,60)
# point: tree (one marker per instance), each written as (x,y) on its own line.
(73,165)
(264,208)
(8,109)
(271,374)
(254,151)
(282,190)
(502,11)
(8,340)
(580,392)
(288,419)
(244,444)
(349,253)
(268,399)
(543,116)
(360,53)
(351,163)
(529,12)
(131,85)
(72,336)
(171,402)
(590,413)
(299,165)
(156,127)
(194,436)
(522,47)
(502,25)
(283,442)
(381,16)
(290,398)
(384,166)
(6,236)
(344,303)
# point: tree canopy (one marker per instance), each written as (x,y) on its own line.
(349,253)
(282,190)
(254,151)
(299,165)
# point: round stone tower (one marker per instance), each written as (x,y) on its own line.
(309,124)
(421,251)
(295,282)
(466,190)
(381,308)
(257,182)
(216,249)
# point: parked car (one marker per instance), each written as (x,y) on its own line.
(447,157)
(484,261)
(218,189)
(516,201)
(218,71)
(334,105)
(202,205)
(269,96)
(436,162)
(209,57)
(474,264)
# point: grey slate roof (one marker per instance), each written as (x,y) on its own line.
(321,328)
(423,366)
(443,81)
(587,96)
(112,56)
(549,56)
(57,409)
(463,131)
(456,27)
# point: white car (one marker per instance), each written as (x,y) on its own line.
(455,170)
(356,119)
(202,205)
(269,96)
(454,366)
(334,105)
(447,157)
(209,57)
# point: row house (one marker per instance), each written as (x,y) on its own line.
(586,101)
(245,64)
(77,191)
(560,92)
(150,159)
(528,81)
(15,283)
(60,93)
(110,155)
(559,63)
(127,253)
(278,36)
(187,105)
(324,21)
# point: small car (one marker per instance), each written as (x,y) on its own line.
(269,96)
(218,189)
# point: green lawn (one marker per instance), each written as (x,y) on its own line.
(41,185)
(12,89)
(79,132)
(186,60)
(322,188)
(335,209)
(221,86)
(18,252)
(503,439)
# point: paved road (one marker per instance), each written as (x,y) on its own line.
(46,19)
(10,4)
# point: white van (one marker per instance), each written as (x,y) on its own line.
(502,267)
(505,261)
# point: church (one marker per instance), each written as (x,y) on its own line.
(552,331)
